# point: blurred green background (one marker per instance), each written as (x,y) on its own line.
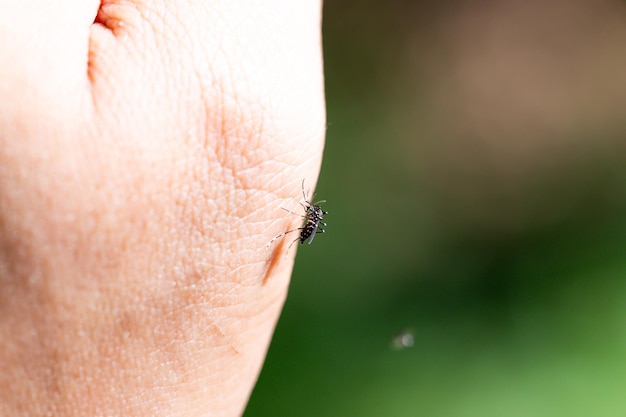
(476,183)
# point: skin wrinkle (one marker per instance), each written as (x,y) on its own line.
(235,131)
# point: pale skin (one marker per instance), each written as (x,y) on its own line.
(144,160)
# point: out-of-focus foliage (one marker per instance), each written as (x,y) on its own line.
(475,172)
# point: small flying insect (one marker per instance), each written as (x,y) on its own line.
(313,216)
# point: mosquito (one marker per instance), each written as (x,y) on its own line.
(313,216)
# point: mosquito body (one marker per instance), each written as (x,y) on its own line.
(313,221)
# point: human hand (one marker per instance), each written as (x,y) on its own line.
(144,159)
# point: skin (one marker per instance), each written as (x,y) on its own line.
(144,159)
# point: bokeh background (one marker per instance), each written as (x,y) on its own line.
(475,256)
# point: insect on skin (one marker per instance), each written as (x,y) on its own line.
(313,216)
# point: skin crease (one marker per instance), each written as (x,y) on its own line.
(144,159)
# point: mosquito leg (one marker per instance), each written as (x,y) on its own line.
(303,193)
(291,244)
(281,235)
(289,211)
